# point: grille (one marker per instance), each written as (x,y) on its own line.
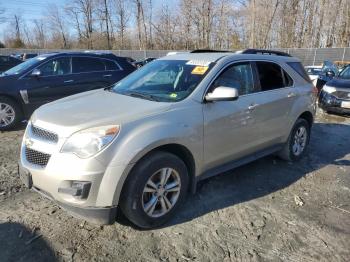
(44,134)
(37,158)
(342,95)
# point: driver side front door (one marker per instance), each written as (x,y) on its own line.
(229,126)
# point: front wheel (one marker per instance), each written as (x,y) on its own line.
(154,189)
(10,114)
(298,141)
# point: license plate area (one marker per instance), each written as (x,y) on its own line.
(345,104)
(25,177)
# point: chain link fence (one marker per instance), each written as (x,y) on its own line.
(309,56)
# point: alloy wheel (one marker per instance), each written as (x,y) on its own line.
(7,115)
(161,192)
(300,139)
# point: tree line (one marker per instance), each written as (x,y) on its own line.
(182,25)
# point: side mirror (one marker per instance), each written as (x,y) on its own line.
(36,72)
(330,73)
(222,93)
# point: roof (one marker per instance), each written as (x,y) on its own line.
(215,56)
(81,53)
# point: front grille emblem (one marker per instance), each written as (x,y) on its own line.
(29,143)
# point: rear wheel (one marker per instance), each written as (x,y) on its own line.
(10,114)
(154,189)
(298,141)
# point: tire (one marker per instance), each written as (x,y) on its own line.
(13,112)
(135,203)
(288,152)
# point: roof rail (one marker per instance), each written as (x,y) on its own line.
(208,51)
(263,52)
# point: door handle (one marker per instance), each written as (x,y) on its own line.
(68,81)
(107,75)
(252,107)
(291,94)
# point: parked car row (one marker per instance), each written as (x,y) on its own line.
(143,143)
(333,86)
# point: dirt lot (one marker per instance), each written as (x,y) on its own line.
(250,214)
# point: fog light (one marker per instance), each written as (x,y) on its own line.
(79,189)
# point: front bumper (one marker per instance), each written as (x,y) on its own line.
(97,215)
(87,188)
(332,104)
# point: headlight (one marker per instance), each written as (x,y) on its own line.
(89,142)
(329,89)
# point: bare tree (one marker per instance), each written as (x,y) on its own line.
(122,18)
(57,24)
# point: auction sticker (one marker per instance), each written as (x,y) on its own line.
(199,70)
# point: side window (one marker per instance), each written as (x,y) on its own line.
(54,67)
(298,67)
(87,64)
(238,76)
(4,59)
(272,76)
(111,65)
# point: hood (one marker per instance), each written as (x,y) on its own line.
(339,83)
(91,109)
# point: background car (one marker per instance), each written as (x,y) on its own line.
(314,72)
(49,77)
(144,62)
(329,70)
(6,62)
(335,95)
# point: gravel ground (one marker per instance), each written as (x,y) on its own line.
(266,210)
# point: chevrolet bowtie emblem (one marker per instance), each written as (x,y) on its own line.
(29,142)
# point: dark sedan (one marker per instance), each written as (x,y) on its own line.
(49,77)
(335,94)
(7,62)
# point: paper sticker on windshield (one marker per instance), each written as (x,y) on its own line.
(198,63)
(199,70)
(173,95)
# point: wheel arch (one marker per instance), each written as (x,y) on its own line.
(13,98)
(308,116)
(179,150)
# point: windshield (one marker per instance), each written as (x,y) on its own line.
(24,66)
(164,80)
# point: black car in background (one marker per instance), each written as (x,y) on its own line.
(49,77)
(335,94)
(7,62)
(329,71)
(141,63)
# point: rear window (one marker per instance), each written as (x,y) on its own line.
(87,64)
(272,76)
(298,67)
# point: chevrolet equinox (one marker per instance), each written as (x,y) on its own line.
(144,143)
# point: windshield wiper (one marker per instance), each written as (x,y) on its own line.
(142,95)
